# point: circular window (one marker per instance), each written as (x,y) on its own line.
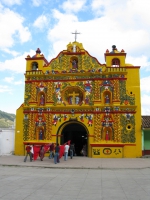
(129,127)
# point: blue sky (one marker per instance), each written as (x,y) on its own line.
(26,25)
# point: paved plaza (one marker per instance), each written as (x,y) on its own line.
(78,178)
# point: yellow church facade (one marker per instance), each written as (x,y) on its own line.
(75,97)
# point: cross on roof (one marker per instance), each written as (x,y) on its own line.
(75,35)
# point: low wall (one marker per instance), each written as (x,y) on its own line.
(7,141)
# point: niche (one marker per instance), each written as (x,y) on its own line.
(74,63)
(107,97)
(41,99)
(34,66)
(115,62)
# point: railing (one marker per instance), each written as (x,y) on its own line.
(116,69)
(34,72)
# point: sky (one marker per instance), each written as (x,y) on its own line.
(26,25)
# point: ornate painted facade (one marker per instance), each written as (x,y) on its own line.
(74,97)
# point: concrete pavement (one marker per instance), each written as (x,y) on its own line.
(79,162)
(80,178)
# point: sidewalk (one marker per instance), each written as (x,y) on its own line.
(80,178)
(78,163)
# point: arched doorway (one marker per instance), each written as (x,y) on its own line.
(77,134)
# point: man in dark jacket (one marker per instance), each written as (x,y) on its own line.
(56,156)
(72,150)
(51,149)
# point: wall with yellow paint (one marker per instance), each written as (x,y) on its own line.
(92,82)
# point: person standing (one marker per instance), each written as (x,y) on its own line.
(66,151)
(51,155)
(28,149)
(72,150)
(56,156)
(42,152)
(84,150)
(32,152)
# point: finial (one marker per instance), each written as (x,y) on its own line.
(114,47)
(38,51)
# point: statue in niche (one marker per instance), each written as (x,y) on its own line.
(74,64)
(74,48)
(42,100)
(87,99)
(107,99)
(107,136)
(40,135)
(77,100)
(70,100)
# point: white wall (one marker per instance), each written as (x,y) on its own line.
(7,141)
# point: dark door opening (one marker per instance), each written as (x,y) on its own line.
(77,134)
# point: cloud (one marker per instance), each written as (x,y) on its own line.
(11,2)
(12,52)
(145,83)
(5,88)
(103,31)
(73,5)
(145,101)
(8,79)
(139,61)
(41,22)
(17,64)
(18,83)
(36,3)
(14,30)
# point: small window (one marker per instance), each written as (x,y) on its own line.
(129,127)
(115,62)
(34,66)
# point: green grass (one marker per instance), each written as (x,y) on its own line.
(6,119)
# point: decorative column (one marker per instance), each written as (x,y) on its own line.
(48,135)
(97,91)
(33,92)
(49,91)
(31,135)
(116,94)
(117,128)
(97,128)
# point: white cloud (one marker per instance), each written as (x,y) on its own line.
(145,84)
(17,64)
(41,22)
(139,61)
(12,52)
(14,29)
(118,26)
(11,2)
(18,83)
(73,5)
(145,101)
(36,2)
(5,88)
(8,79)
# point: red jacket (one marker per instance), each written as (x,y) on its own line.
(28,148)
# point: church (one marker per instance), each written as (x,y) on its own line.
(75,98)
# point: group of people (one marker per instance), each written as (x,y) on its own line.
(67,148)
(55,152)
